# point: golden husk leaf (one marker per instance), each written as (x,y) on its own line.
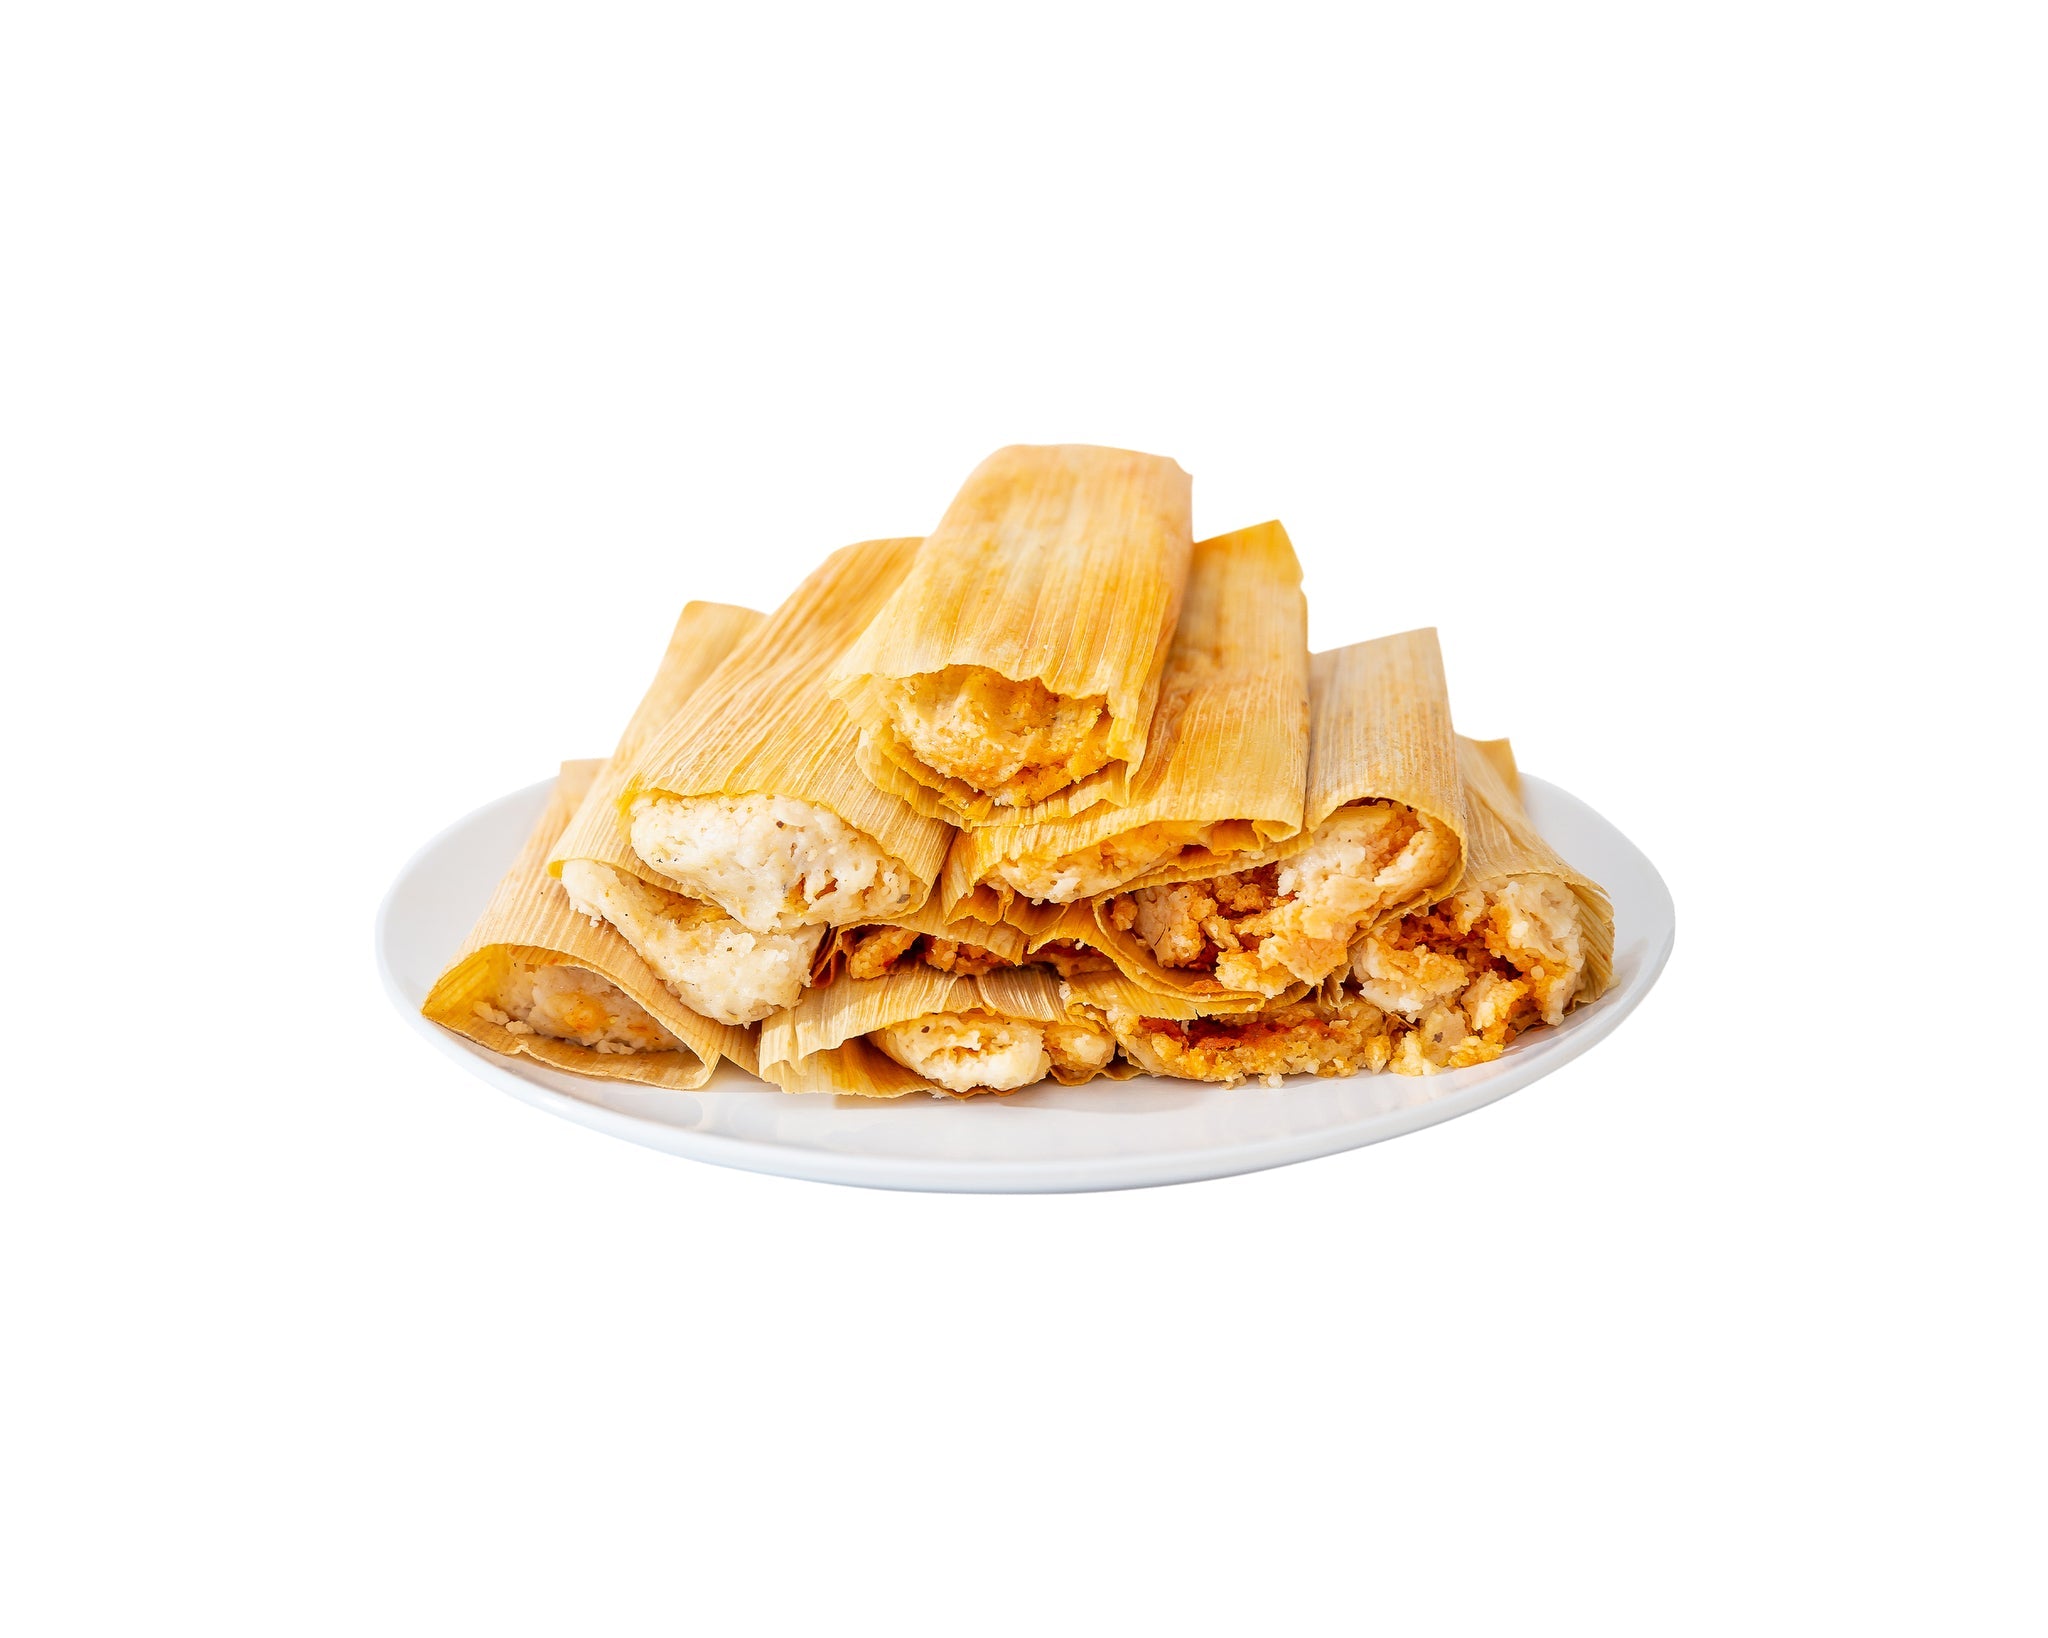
(1118,992)
(763,724)
(1502,842)
(1380,729)
(705,633)
(1063,564)
(530,918)
(1229,742)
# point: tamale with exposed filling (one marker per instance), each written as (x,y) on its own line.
(751,797)
(1522,940)
(536,977)
(1015,669)
(1225,769)
(918,1029)
(709,961)
(1383,830)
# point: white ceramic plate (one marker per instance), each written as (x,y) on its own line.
(1111,1135)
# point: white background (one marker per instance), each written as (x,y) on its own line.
(378,380)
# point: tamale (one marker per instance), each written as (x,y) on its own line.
(1383,830)
(921,1030)
(1523,939)
(1225,769)
(536,977)
(1015,669)
(751,796)
(709,961)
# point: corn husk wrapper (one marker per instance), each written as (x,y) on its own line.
(705,633)
(763,724)
(819,1044)
(1379,729)
(1229,740)
(1003,939)
(1115,993)
(530,918)
(1065,564)
(1501,842)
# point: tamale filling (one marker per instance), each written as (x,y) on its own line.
(571,1003)
(1264,929)
(1439,989)
(710,962)
(980,1051)
(1017,741)
(876,952)
(773,863)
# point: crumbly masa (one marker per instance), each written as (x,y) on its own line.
(571,1003)
(1440,989)
(1016,742)
(1102,867)
(1307,1037)
(773,863)
(979,1051)
(1269,928)
(877,951)
(1477,969)
(1080,1046)
(710,962)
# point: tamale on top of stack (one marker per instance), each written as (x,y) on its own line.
(1014,671)
(752,797)
(1226,765)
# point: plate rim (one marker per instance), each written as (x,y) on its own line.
(1083,1174)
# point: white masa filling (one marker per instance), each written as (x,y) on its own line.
(712,963)
(772,863)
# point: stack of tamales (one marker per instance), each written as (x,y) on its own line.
(1056,791)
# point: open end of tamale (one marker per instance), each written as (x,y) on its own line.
(751,796)
(1019,662)
(939,1032)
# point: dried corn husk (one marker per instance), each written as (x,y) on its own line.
(1227,762)
(529,918)
(820,1045)
(1379,730)
(1117,995)
(705,633)
(763,724)
(1003,940)
(1501,842)
(1057,565)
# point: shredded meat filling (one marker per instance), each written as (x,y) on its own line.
(1475,970)
(1308,1037)
(1263,929)
(881,950)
